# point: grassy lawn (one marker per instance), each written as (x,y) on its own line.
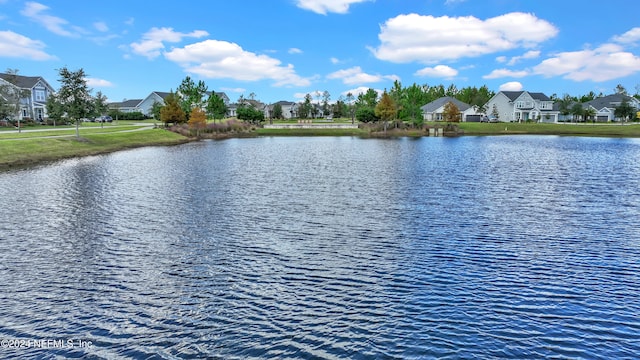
(30,151)
(310,132)
(60,131)
(614,130)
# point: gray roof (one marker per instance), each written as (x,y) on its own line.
(127,103)
(436,104)
(513,95)
(163,95)
(609,101)
(23,82)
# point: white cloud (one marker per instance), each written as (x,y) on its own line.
(101,26)
(428,39)
(453,2)
(295,51)
(235,90)
(36,12)
(501,73)
(501,59)
(531,54)
(604,63)
(630,37)
(360,90)
(335,60)
(153,40)
(355,76)
(215,59)
(324,6)
(14,45)
(442,71)
(511,86)
(100,83)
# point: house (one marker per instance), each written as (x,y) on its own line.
(434,110)
(36,91)
(289,109)
(146,104)
(518,106)
(605,107)
(127,106)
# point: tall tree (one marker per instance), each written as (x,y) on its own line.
(216,108)
(100,106)
(350,99)
(191,94)
(624,111)
(451,113)
(156,107)
(74,95)
(54,108)
(326,97)
(277,111)
(576,111)
(198,120)
(305,108)
(171,112)
(620,89)
(386,109)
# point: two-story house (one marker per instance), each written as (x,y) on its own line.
(34,92)
(518,106)
(289,109)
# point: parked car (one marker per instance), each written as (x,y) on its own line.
(104,118)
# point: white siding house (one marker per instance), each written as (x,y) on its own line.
(146,104)
(518,106)
(36,90)
(605,106)
(434,110)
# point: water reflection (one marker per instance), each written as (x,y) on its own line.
(521,247)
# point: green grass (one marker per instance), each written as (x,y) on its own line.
(36,150)
(612,130)
(49,131)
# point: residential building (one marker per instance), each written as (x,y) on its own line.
(518,106)
(146,104)
(127,106)
(36,90)
(605,106)
(289,109)
(434,110)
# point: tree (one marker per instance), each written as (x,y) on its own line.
(74,95)
(576,111)
(305,108)
(386,109)
(100,106)
(624,111)
(171,112)
(54,108)
(589,113)
(277,111)
(156,107)
(564,105)
(350,100)
(620,89)
(191,95)
(326,97)
(12,96)
(216,108)
(495,113)
(197,120)
(250,114)
(451,113)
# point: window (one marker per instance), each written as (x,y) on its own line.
(39,95)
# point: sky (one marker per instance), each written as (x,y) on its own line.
(285,49)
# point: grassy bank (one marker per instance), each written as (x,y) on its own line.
(37,150)
(608,130)
(310,132)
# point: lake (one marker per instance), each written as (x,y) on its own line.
(521,247)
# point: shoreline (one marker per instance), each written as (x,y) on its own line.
(19,153)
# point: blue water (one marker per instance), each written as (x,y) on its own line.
(521,247)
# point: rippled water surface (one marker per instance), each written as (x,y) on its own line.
(473,247)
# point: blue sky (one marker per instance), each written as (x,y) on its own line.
(284,49)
